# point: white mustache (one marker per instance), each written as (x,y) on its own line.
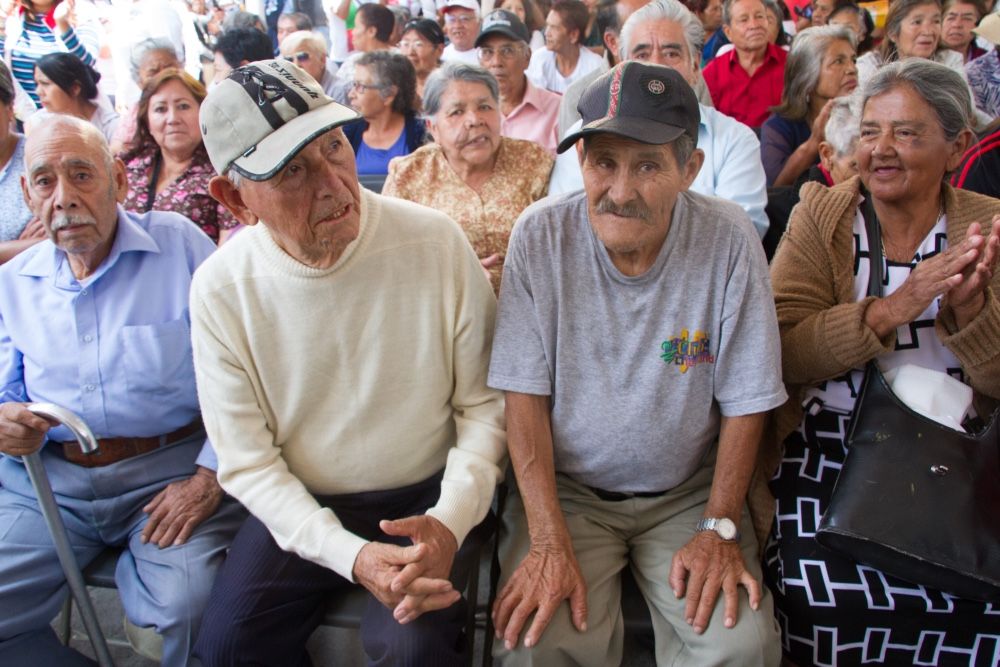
(63,220)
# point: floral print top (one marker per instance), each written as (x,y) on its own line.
(14,212)
(188,195)
(520,177)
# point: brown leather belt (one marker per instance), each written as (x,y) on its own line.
(113,450)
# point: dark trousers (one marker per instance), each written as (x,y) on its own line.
(266,602)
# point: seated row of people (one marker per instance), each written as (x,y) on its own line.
(337,305)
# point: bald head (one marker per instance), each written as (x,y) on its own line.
(54,128)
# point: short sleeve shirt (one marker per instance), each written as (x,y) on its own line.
(640,368)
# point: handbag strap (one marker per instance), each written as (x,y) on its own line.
(874,245)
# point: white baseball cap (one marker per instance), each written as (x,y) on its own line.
(462,4)
(261,115)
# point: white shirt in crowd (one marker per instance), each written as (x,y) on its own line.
(469,57)
(543,69)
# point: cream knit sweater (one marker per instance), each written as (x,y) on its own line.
(370,375)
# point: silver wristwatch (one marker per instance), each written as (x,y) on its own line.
(724,528)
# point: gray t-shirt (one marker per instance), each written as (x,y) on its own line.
(640,369)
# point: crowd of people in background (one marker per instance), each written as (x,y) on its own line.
(775,67)
(802,107)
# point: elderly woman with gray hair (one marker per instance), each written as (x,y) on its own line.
(308,50)
(939,310)
(148,58)
(820,68)
(479,178)
(384,92)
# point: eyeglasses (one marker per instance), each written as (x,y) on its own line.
(506,52)
(299,57)
(359,87)
(416,46)
(460,18)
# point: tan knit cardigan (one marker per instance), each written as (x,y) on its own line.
(823,334)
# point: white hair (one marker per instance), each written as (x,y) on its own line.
(665,10)
(844,125)
(304,40)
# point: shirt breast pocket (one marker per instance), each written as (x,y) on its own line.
(158,358)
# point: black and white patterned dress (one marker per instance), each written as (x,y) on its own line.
(832,610)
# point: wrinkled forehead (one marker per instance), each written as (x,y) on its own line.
(59,143)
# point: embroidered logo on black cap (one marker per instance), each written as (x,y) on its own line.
(656,86)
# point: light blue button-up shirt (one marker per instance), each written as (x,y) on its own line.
(732,169)
(115,348)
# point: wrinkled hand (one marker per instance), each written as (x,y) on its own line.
(488,263)
(932,278)
(968,297)
(33,230)
(703,567)
(65,15)
(545,578)
(435,563)
(22,432)
(378,564)
(178,509)
(819,125)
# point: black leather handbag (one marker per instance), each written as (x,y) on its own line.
(916,499)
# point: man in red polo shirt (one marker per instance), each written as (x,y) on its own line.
(746,82)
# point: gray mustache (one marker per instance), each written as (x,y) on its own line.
(632,209)
(61,221)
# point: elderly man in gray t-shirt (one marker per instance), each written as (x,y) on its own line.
(637,342)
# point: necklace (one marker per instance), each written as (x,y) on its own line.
(904,254)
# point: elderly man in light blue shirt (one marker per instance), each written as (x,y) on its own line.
(96,320)
(666,33)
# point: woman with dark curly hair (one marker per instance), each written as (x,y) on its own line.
(385,94)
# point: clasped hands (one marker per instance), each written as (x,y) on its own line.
(410,580)
(960,275)
(549,574)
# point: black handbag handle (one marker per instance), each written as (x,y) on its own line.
(874,245)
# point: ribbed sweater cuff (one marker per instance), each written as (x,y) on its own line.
(340,550)
(977,343)
(456,512)
(846,328)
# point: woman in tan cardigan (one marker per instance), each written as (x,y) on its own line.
(938,311)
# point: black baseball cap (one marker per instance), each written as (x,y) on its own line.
(502,22)
(428,29)
(648,103)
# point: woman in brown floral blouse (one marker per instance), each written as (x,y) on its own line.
(480,179)
(168,170)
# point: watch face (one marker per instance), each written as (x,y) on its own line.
(726,529)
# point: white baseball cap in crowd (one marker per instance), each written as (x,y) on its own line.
(261,115)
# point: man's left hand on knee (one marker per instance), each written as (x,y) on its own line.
(178,509)
(703,567)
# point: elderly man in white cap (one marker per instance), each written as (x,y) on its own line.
(461,24)
(341,346)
